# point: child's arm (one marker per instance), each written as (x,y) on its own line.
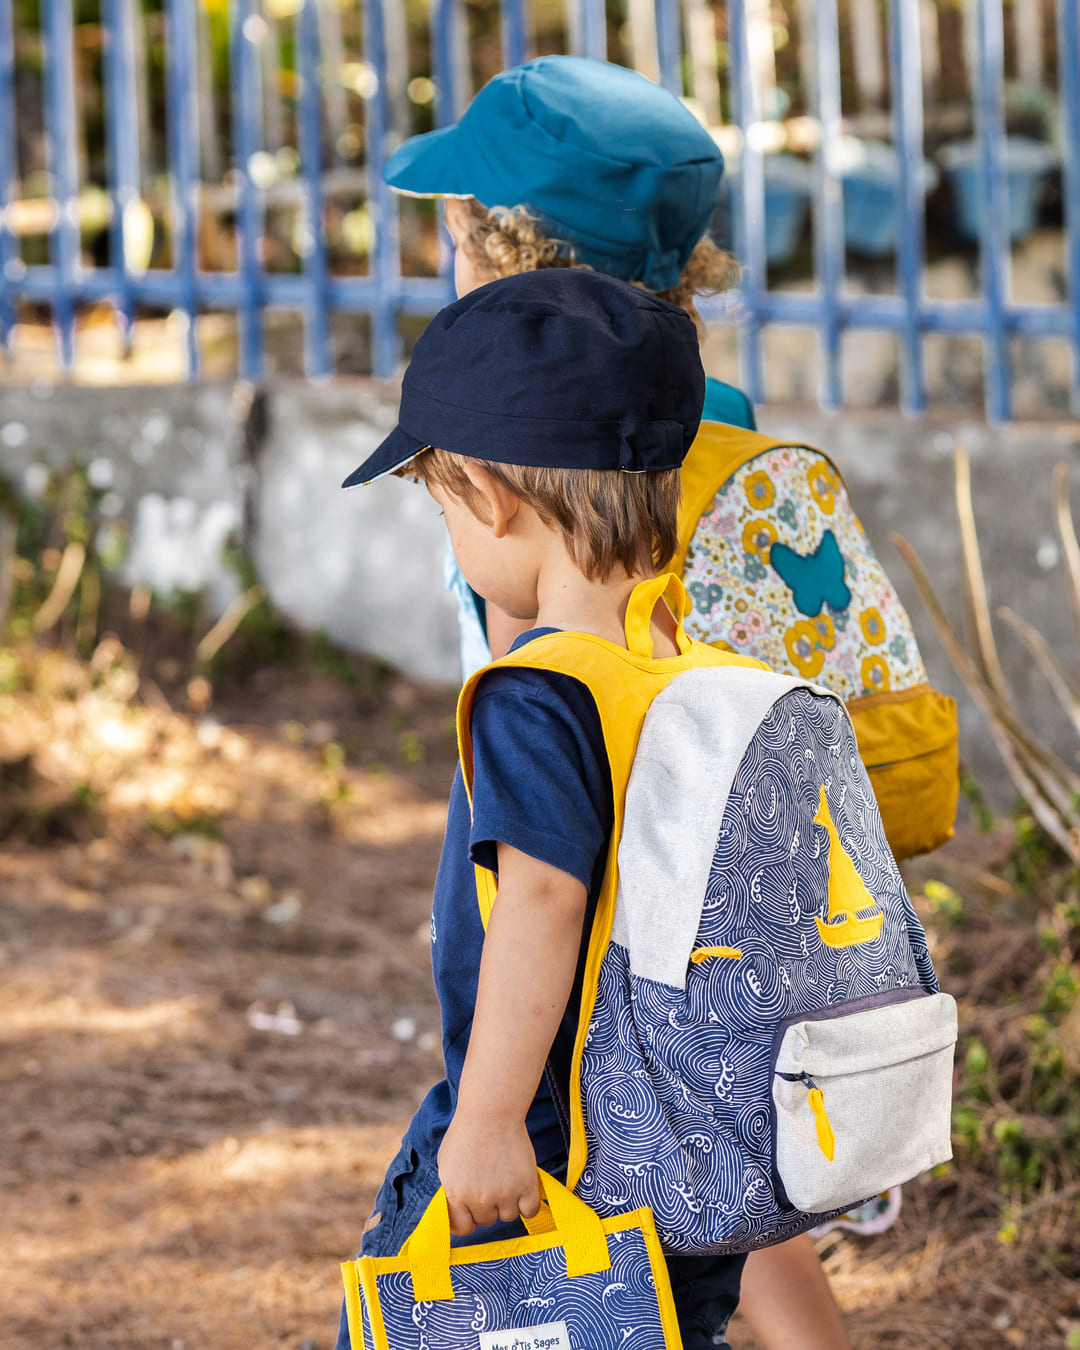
(487,1164)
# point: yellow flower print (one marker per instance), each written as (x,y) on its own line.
(771,651)
(875,674)
(758,537)
(873,625)
(838,682)
(803,650)
(825,631)
(824,484)
(760,492)
(742,605)
(775,598)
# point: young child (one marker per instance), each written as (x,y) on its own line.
(561,404)
(572,162)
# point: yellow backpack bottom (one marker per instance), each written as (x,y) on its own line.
(916,793)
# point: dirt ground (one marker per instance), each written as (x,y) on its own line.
(216,1017)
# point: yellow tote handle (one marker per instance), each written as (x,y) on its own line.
(579,1229)
(640,606)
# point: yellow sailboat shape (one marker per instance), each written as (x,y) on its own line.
(848,896)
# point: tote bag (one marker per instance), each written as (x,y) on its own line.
(575,1283)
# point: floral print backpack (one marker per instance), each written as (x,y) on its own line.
(779,568)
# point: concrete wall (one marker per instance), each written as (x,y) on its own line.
(183,468)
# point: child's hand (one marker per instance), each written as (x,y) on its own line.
(489,1173)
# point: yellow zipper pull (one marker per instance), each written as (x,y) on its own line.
(703,954)
(825,1137)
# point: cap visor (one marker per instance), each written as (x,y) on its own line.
(429,166)
(398,448)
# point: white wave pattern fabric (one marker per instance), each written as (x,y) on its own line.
(525,1290)
(677,1068)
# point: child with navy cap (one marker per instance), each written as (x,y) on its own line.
(566,161)
(548,414)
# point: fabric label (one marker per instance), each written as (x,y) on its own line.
(549,1336)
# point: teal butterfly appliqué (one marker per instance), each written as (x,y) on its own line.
(814,579)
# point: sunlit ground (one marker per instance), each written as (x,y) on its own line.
(216,1018)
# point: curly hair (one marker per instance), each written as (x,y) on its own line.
(506,240)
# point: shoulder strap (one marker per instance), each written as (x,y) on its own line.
(622,680)
(623,683)
(718,451)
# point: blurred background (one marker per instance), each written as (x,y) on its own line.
(227,688)
(213,170)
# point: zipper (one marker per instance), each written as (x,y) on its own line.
(826,1138)
(883,998)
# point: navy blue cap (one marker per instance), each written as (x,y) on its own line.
(563,368)
(610,162)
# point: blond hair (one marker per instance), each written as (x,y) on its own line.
(608,518)
(506,240)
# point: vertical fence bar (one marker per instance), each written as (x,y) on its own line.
(246,27)
(993,193)
(669,45)
(444,22)
(122,145)
(1068,18)
(59,80)
(9,249)
(593,19)
(443,18)
(905,63)
(586,22)
(828,197)
(183,130)
(515,36)
(749,206)
(386,259)
(315,257)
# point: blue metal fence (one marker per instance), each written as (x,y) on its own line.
(68,280)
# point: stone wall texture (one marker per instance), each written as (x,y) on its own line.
(185,467)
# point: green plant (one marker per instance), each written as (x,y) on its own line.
(328,659)
(410,748)
(944,903)
(981,810)
(53,578)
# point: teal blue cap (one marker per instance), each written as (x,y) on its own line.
(612,164)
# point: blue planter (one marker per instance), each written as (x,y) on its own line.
(787,199)
(1027,163)
(870,174)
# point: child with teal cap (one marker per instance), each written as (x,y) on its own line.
(566,161)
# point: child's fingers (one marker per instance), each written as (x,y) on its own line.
(462,1221)
(528,1205)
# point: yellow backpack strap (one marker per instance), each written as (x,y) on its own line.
(623,683)
(718,451)
(637,623)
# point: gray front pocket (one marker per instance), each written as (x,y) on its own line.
(871,1085)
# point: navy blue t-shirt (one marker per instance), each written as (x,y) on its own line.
(541,784)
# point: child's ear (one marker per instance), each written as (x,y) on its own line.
(502,504)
